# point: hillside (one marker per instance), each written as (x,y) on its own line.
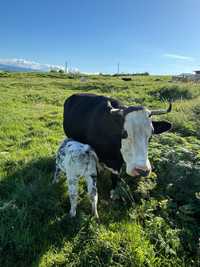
(14,68)
(156,224)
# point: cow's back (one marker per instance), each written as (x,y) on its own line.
(79,113)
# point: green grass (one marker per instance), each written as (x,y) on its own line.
(159,228)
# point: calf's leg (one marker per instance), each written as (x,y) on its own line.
(56,174)
(92,192)
(73,194)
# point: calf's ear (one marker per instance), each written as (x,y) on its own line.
(161,126)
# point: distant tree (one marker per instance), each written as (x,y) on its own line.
(53,71)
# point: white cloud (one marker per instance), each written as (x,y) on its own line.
(179,57)
(29,64)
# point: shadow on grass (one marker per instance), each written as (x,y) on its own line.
(34,212)
(180,208)
(30,206)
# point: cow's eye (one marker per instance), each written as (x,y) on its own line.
(124,134)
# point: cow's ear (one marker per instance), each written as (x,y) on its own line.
(161,126)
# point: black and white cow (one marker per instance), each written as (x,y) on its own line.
(116,132)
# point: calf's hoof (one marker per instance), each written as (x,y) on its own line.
(72,213)
(55,181)
(96,215)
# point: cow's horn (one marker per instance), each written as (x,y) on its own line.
(113,110)
(161,111)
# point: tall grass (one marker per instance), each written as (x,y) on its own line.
(160,229)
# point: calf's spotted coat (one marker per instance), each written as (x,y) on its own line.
(78,160)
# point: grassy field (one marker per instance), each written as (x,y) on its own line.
(159,228)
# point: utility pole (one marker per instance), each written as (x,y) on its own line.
(66,67)
(70,66)
(118,68)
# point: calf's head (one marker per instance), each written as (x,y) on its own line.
(136,133)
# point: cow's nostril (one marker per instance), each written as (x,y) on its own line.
(143,172)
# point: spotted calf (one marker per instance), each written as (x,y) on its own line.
(77,160)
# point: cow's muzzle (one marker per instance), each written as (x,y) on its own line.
(140,172)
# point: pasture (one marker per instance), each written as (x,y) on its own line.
(157,226)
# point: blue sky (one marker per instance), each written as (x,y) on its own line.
(159,36)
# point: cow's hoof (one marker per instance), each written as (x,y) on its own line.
(114,195)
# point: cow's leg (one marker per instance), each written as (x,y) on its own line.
(73,194)
(56,174)
(92,192)
(115,180)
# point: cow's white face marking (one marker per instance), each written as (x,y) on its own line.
(134,148)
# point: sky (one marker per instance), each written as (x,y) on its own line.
(158,36)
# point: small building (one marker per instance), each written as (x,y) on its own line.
(196,72)
(187,77)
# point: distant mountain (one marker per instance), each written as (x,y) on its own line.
(22,65)
(16,68)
